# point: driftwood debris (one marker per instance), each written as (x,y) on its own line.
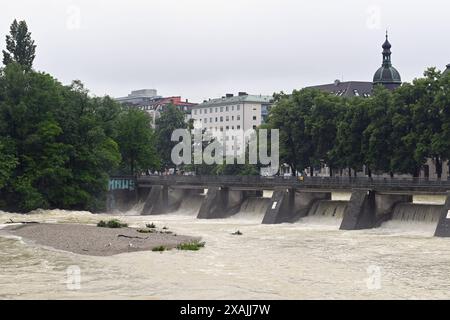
(129,237)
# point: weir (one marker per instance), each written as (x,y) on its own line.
(291,200)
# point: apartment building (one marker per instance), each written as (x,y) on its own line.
(231,113)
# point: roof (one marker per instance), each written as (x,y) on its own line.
(347,89)
(446,71)
(236,100)
(387,74)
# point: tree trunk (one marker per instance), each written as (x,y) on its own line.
(350,172)
(369,172)
(438,168)
(331,171)
(391,174)
(311,171)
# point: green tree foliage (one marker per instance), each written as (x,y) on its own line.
(58,154)
(20,48)
(171,119)
(136,140)
(389,132)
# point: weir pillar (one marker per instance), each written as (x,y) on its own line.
(360,211)
(157,201)
(221,203)
(443,227)
(281,206)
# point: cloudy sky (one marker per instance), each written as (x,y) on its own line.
(203,49)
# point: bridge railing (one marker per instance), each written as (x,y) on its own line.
(296,181)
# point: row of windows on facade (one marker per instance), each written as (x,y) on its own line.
(228,128)
(220,119)
(216,109)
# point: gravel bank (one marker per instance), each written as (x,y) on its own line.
(92,240)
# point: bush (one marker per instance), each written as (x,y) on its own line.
(160,249)
(146,231)
(191,246)
(151,226)
(113,224)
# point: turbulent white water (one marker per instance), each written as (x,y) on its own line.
(190,206)
(325,213)
(414,218)
(253,209)
(288,261)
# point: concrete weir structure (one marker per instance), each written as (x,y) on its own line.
(372,202)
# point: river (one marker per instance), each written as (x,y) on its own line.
(290,261)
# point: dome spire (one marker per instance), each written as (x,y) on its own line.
(387,75)
(387,52)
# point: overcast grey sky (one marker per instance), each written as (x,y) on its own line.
(205,48)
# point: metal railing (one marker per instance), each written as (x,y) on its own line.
(320,182)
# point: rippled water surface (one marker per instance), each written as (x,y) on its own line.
(289,261)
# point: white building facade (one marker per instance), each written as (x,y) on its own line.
(231,114)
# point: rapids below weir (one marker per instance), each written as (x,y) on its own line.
(309,259)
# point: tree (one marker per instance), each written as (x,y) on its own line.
(289,115)
(170,120)
(321,124)
(19,45)
(377,144)
(57,151)
(136,140)
(347,151)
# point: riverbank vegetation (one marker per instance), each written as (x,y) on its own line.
(389,132)
(59,144)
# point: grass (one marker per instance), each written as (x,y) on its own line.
(191,246)
(113,224)
(146,230)
(159,249)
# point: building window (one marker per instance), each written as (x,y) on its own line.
(216,109)
(205,120)
(254,127)
(232,118)
(238,127)
(221,119)
(195,112)
(210,120)
(232,108)
(227,128)
(221,109)
(227,118)
(210,110)
(200,111)
(254,118)
(238,118)
(226,108)
(206,111)
(238,108)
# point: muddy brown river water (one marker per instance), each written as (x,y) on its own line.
(306,260)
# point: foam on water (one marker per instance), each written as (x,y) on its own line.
(253,209)
(190,205)
(413,218)
(325,213)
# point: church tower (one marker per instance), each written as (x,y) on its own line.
(387,75)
